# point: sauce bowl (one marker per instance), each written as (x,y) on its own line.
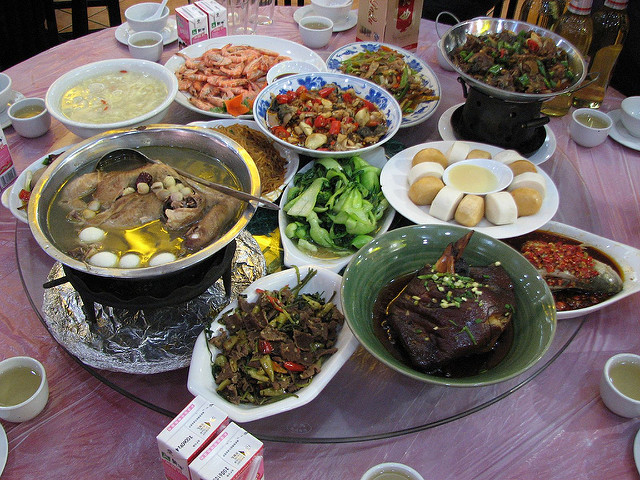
(620,385)
(27,408)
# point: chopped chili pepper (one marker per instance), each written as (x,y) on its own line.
(320,121)
(294,367)
(265,346)
(347,97)
(370,106)
(532,45)
(24,195)
(334,129)
(326,91)
(301,89)
(280,132)
(277,304)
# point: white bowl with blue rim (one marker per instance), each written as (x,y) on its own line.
(313,81)
(420,69)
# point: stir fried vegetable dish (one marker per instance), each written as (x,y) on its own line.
(326,119)
(387,68)
(335,206)
(523,62)
(275,346)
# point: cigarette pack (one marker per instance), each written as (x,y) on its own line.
(192,25)
(216,15)
(7,169)
(234,455)
(187,435)
(396,22)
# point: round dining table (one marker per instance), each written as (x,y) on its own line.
(552,425)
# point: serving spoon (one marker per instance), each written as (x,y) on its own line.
(158,13)
(128,159)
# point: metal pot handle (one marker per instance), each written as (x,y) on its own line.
(438,21)
(586,82)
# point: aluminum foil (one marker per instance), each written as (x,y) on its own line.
(144,341)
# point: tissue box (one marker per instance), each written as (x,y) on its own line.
(192,25)
(395,21)
(216,15)
(189,434)
(234,455)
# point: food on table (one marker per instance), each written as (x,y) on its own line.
(430,155)
(141,217)
(273,347)
(425,169)
(425,189)
(508,156)
(524,62)
(457,152)
(578,275)
(470,210)
(501,208)
(531,180)
(445,203)
(335,207)
(113,97)
(388,68)
(32,177)
(271,165)
(528,201)
(477,153)
(227,79)
(328,118)
(522,166)
(449,318)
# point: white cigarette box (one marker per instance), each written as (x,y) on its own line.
(216,16)
(192,25)
(187,435)
(235,454)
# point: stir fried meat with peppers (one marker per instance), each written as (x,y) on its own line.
(274,347)
(326,119)
(524,63)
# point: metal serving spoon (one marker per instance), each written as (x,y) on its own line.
(128,159)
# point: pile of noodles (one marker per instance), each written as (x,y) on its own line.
(270,164)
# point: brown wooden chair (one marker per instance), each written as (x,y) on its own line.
(79,14)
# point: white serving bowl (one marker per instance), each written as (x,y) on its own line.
(503,174)
(336,10)
(5,90)
(612,395)
(630,115)
(138,17)
(363,88)
(32,406)
(75,76)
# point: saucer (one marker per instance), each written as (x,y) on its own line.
(169,33)
(307,10)
(4,449)
(636,444)
(446,131)
(620,133)
(5,121)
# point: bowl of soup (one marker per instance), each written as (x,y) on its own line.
(111,94)
(142,221)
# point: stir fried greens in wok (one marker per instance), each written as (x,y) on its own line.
(273,347)
(523,62)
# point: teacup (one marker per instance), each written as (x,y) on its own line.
(138,17)
(630,115)
(30,117)
(24,387)
(620,385)
(589,127)
(146,45)
(315,31)
(5,91)
(391,471)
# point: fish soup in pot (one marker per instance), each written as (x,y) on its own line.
(147,220)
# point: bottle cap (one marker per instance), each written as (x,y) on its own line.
(580,7)
(616,4)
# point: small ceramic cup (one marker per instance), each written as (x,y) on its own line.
(5,91)
(589,127)
(315,31)
(138,17)
(146,45)
(30,117)
(620,385)
(630,115)
(35,403)
(391,470)
(290,67)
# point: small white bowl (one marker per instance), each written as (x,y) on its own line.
(5,91)
(335,10)
(584,132)
(315,31)
(30,126)
(32,406)
(616,396)
(146,45)
(502,173)
(138,17)
(399,469)
(630,115)
(290,67)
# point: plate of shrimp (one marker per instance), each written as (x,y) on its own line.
(221,77)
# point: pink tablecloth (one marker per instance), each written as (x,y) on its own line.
(555,427)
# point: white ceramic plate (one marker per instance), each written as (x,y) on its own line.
(200,380)
(620,133)
(169,32)
(285,47)
(4,448)
(352,18)
(293,159)
(394,185)
(445,129)
(636,450)
(627,258)
(294,256)
(5,121)
(429,78)
(10,198)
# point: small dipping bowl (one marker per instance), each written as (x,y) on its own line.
(589,127)
(620,385)
(24,390)
(5,91)
(478,176)
(630,115)
(291,67)
(315,31)
(138,17)
(30,117)
(391,471)
(146,45)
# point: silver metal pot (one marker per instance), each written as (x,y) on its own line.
(86,154)
(456,36)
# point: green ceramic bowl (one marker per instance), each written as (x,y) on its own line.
(405,250)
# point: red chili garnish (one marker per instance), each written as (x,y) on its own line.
(320,121)
(277,304)
(370,106)
(280,132)
(347,97)
(124,71)
(294,367)
(265,346)
(532,45)
(301,89)
(560,257)
(326,91)
(334,129)
(282,98)
(24,195)
(503,52)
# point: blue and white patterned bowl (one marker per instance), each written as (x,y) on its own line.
(424,72)
(363,88)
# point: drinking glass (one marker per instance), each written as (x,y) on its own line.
(242,16)
(265,17)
